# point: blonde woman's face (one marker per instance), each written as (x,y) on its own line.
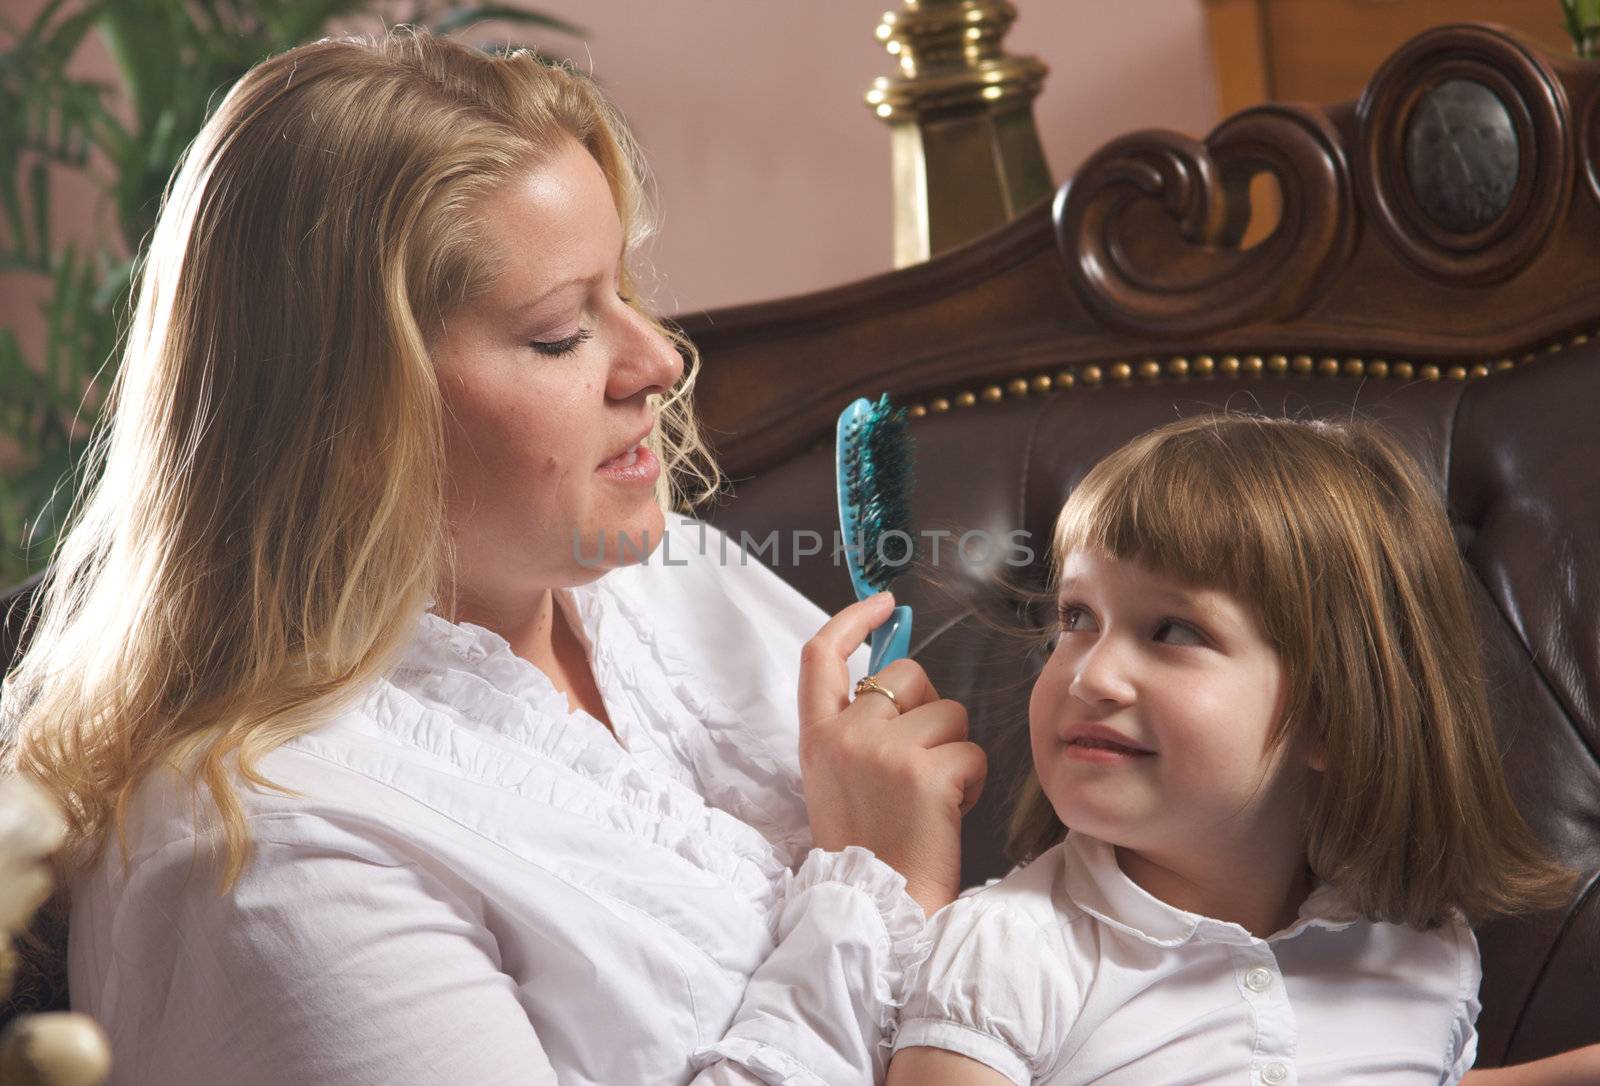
(546,380)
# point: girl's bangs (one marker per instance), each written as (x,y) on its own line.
(1165,504)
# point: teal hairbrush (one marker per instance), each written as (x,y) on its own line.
(874,470)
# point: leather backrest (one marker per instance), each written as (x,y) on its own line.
(1515,456)
(1456,306)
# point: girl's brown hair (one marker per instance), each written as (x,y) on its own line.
(1343,548)
(268,520)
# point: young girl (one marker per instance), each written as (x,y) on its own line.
(1266,800)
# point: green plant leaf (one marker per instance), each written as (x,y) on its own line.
(57,311)
(39,204)
(61,41)
(145,38)
(115,281)
(1582,21)
(13,373)
(16,225)
(40,25)
(293,24)
(173,57)
(461,18)
(1569,16)
(72,290)
(46,489)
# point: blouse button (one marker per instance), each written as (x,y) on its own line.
(1274,1073)
(1259,980)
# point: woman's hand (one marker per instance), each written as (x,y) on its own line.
(895,781)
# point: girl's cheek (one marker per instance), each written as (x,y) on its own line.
(1044,703)
(1036,703)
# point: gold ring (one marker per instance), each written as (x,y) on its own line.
(871,685)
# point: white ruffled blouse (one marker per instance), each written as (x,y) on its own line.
(478,885)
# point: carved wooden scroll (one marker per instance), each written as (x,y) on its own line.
(1460,154)
(1138,277)
(1591,143)
(1447,225)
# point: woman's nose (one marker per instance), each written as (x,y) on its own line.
(646,361)
(1101,675)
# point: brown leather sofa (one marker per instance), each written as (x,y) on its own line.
(1454,306)
(1436,267)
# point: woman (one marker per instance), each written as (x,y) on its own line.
(487,797)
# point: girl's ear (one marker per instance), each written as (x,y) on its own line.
(1317,756)
(1315,748)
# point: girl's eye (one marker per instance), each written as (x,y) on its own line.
(1074,618)
(555,348)
(1173,632)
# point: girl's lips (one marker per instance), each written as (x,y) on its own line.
(1103,751)
(637,465)
(1101,735)
(1098,744)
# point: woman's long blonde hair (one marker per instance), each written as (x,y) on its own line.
(268,516)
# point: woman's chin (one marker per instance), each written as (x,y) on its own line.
(619,545)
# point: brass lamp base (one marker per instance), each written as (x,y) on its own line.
(966,153)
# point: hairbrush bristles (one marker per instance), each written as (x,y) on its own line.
(876,477)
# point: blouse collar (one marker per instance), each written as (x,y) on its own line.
(1097,884)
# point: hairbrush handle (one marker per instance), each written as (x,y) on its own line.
(891,641)
(847,463)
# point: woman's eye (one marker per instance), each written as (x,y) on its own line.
(555,348)
(1178,633)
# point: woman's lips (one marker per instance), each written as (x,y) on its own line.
(637,465)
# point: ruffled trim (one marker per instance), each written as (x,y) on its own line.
(487,655)
(904,922)
(621,652)
(578,767)
(774,1066)
(715,724)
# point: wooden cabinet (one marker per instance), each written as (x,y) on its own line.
(1326,50)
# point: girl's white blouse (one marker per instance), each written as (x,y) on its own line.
(477,885)
(1067,972)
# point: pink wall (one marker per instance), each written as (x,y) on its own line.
(772,176)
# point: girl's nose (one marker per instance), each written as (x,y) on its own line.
(1101,675)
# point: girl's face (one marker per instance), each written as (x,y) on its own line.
(1149,722)
(545,380)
